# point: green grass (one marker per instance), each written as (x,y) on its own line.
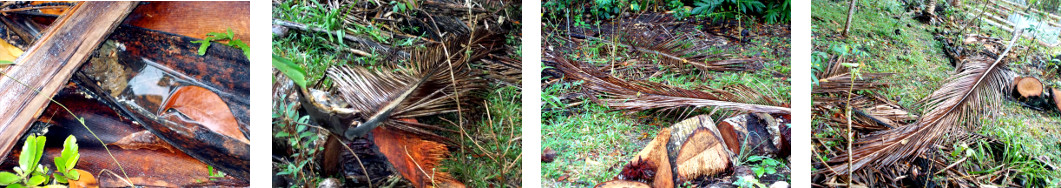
(589,144)
(489,160)
(914,54)
(921,67)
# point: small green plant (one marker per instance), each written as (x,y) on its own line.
(399,6)
(294,129)
(766,165)
(748,182)
(778,13)
(726,9)
(678,9)
(226,36)
(29,173)
(214,173)
(64,164)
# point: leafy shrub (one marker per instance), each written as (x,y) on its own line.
(772,12)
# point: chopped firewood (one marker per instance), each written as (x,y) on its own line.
(749,133)
(622,184)
(703,154)
(651,160)
(697,149)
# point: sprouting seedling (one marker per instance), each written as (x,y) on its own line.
(64,164)
(30,173)
(228,35)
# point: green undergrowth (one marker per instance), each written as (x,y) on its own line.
(489,158)
(914,54)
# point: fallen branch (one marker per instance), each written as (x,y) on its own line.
(50,62)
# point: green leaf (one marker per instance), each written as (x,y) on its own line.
(15,186)
(31,153)
(73,175)
(305,134)
(293,71)
(60,163)
(70,154)
(7,178)
(202,48)
(36,180)
(300,128)
(758,171)
(755,158)
(71,162)
(6,62)
(242,46)
(282,134)
(60,178)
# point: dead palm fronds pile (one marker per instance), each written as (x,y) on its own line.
(893,147)
(650,45)
(394,121)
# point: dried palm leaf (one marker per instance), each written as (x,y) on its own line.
(837,79)
(678,51)
(436,76)
(640,96)
(956,105)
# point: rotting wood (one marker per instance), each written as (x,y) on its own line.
(194,18)
(50,62)
(176,55)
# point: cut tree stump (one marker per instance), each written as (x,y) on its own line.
(1029,87)
(1032,93)
(28,86)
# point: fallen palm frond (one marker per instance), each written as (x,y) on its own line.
(837,79)
(428,87)
(640,95)
(956,105)
(678,51)
(869,112)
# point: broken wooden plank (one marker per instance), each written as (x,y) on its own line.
(28,86)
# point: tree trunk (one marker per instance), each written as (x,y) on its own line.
(850,14)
